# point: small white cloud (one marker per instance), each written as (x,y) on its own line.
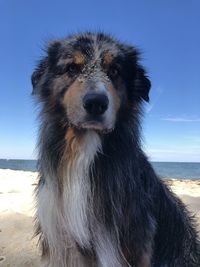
(181,119)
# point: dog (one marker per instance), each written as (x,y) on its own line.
(98,196)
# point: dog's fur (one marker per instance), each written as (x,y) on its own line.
(97,191)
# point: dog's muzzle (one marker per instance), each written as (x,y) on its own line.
(96,109)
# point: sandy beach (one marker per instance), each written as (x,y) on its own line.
(17,247)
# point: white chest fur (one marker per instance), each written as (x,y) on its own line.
(76,187)
(67,219)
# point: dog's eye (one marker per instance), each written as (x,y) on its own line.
(113,72)
(73,68)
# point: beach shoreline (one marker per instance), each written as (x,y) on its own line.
(18,248)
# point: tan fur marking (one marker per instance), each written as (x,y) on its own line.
(108,58)
(72,100)
(145,261)
(73,142)
(79,58)
(71,95)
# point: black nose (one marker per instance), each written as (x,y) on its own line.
(95,104)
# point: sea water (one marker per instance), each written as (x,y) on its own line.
(178,170)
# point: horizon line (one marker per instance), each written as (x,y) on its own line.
(161,161)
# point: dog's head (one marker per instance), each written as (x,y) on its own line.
(92,78)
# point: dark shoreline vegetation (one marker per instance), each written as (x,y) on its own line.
(167,170)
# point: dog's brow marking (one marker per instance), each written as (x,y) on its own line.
(79,58)
(108,58)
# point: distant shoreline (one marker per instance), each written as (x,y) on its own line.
(165,170)
(152,161)
(168,180)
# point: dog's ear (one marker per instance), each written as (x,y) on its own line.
(37,76)
(143,84)
(48,62)
(54,50)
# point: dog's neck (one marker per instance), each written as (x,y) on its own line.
(78,196)
(91,166)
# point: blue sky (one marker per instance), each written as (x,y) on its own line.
(167,33)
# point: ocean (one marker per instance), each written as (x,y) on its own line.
(178,170)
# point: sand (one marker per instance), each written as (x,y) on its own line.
(17,247)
